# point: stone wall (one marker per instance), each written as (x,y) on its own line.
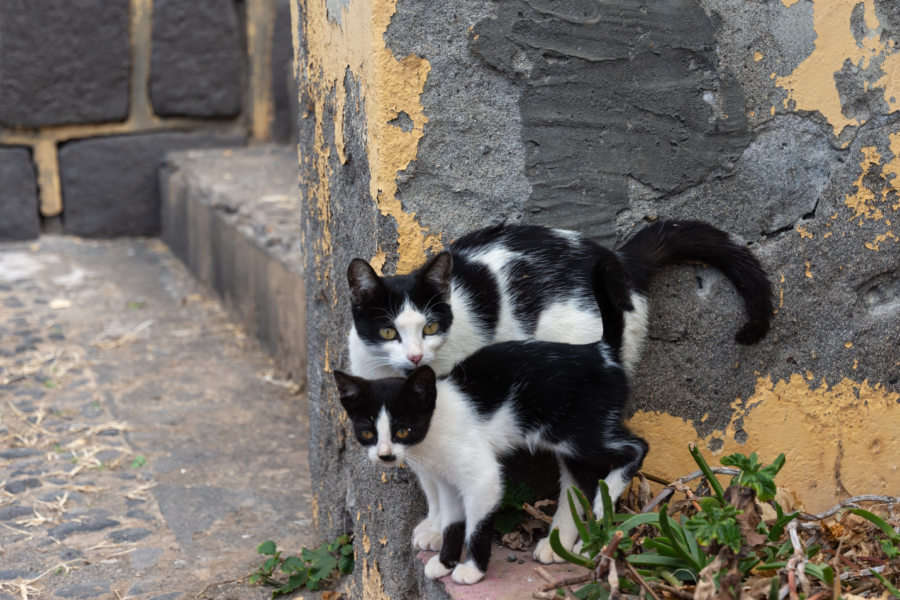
(777,121)
(93,93)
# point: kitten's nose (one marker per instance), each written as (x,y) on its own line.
(415,358)
(387,457)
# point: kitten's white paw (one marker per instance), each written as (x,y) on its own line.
(435,569)
(543,553)
(427,536)
(467,573)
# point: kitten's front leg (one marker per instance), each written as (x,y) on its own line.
(427,534)
(481,504)
(453,534)
(562,520)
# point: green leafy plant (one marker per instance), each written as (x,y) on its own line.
(719,541)
(716,523)
(754,475)
(308,570)
(891,545)
(509,513)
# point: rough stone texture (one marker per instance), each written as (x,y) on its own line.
(110,184)
(63,62)
(197,58)
(605,118)
(18,195)
(232,217)
(471,156)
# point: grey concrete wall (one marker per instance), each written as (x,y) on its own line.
(603,117)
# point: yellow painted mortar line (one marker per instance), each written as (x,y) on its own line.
(260,32)
(47,163)
(141,110)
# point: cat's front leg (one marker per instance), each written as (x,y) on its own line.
(427,534)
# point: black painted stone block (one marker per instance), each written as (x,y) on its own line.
(19,218)
(63,61)
(110,185)
(197,59)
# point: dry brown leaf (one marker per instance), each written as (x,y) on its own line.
(744,499)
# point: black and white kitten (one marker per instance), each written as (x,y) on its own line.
(454,431)
(517,282)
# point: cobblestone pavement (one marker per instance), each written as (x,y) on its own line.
(146,446)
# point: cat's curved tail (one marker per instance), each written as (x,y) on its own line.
(667,242)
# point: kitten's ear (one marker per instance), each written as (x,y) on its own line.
(421,386)
(353,390)
(436,274)
(364,282)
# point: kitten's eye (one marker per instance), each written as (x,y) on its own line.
(366,434)
(388,333)
(431,328)
(401,433)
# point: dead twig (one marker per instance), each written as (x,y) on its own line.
(670,488)
(218,583)
(673,591)
(849,502)
(537,514)
(640,580)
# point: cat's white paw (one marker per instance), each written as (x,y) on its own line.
(543,553)
(467,573)
(435,569)
(427,536)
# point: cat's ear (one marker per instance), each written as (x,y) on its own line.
(422,387)
(364,282)
(353,390)
(436,273)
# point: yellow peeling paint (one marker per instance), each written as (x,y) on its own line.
(378,261)
(808,272)
(811,86)
(366,543)
(819,428)
(373,588)
(389,87)
(757,56)
(804,233)
(877,191)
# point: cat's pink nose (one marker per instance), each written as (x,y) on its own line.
(415,358)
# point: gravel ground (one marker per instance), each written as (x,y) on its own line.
(146,445)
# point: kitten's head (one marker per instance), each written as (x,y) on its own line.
(389,415)
(404,319)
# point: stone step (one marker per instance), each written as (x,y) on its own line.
(233,217)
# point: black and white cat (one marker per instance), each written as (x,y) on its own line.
(517,282)
(453,431)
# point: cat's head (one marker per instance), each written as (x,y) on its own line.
(403,319)
(389,415)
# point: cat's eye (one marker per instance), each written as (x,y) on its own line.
(366,434)
(431,328)
(388,333)
(401,433)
